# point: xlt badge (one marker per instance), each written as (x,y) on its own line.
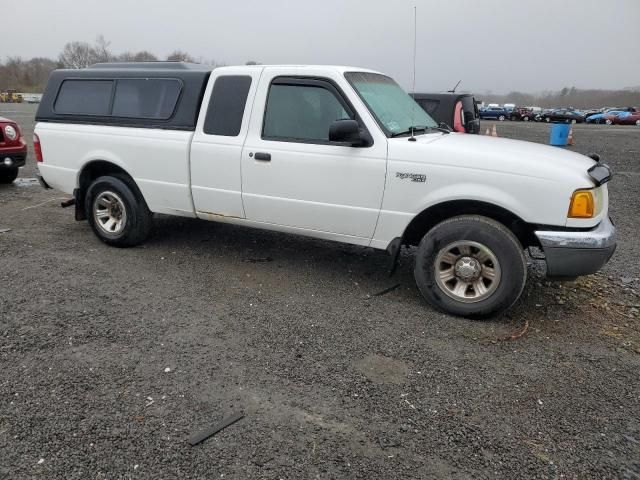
(415,177)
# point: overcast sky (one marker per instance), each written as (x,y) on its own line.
(492,45)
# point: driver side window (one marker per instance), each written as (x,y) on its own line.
(301,112)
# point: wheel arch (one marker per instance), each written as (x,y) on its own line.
(88,173)
(431,216)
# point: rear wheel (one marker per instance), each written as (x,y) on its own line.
(117,212)
(470,266)
(547,119)
(501,118)
(525,118)
(8,175)
(608,121)
(638,123)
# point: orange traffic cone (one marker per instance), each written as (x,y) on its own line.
(570,137)
(494,132)
(488,132)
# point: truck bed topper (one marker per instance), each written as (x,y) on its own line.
(163,95)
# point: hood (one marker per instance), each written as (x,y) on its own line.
(482,152)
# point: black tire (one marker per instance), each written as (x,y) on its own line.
(525,118)
(138,219)
(484,231)
(8,175)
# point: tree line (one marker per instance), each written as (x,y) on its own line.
(569,97)
(31,75)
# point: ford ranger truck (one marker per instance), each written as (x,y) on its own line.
(337,153)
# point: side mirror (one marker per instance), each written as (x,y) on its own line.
(345,132)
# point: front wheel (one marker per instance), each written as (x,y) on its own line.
(547,119)
(638,123)
(471,266)
(525,119)
(501,118)
(117,212)
(8,175)
(608,121)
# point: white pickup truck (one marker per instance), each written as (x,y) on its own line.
(337,153)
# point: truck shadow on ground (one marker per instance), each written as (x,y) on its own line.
(547,305)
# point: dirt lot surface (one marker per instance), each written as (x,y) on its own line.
(110,359)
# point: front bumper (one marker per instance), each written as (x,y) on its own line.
(12,159)
(571,254)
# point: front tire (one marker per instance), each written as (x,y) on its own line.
(501,118)
(8,175)
(117,212)
(471,266)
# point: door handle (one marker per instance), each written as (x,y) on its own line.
(265,157)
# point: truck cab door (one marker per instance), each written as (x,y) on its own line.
(216,149)
(293,176)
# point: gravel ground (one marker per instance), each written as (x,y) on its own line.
(110,359)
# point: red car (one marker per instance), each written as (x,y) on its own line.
(633,119)
(13,150)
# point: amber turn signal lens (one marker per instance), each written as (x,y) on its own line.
(582,204)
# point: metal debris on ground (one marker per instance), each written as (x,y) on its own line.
(258,260)
(196,438)
(386,290)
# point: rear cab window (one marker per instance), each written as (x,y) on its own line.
(226,105)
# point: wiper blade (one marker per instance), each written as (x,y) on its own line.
(410,130)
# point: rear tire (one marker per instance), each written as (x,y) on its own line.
(8,175)
(117,212)
(638,123)
(525,119)
(501,118)
(471,266)
(608,121)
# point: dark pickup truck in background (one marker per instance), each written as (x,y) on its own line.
(458,110)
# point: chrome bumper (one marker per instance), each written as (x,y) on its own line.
(571,254)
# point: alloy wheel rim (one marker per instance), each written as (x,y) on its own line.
(110,213)
(467,271)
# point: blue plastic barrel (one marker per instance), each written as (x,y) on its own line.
(559,134)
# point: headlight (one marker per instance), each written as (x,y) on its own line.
(585,203)
(10,132)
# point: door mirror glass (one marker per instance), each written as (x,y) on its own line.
(345,132)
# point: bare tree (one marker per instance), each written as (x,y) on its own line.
(143,56)
(180,56)
(101,51)
(77,55)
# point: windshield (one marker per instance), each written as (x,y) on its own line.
(393,108)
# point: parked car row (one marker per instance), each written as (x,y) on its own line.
(610,116)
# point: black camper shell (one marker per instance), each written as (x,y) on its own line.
(163,95)
(442,106)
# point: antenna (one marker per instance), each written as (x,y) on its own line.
(454,88)
(413,86)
